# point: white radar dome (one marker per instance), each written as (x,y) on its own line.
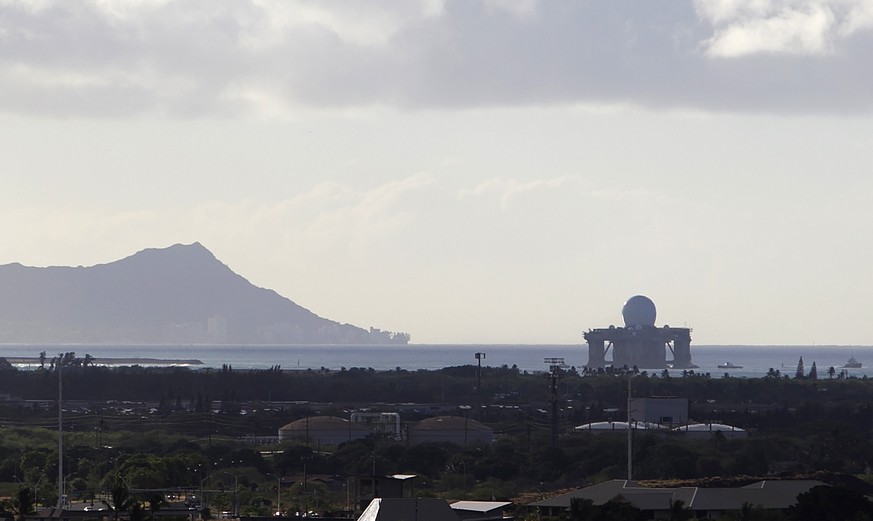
(638,311)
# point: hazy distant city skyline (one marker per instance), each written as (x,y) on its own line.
(468,171)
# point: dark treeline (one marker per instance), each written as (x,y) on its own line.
(760,403)
(164,427)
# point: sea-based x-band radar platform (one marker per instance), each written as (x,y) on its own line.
(639,343)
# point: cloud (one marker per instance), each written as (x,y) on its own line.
(793,27)
(517,8)
(793,31)
(329,217)
(199,58)
(507,191)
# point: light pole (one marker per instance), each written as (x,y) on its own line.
(278,511)
(466,409)
(235,494)
(198,471)
(60,364)
(64,486)
(479,358)
(203,502)
(36,490)
(278,496)
(630,439)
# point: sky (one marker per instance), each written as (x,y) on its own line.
(468,171)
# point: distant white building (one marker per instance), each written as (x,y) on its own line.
(708,430)
(325,430)
(665,411)
(216,328)
(452,429)
(607,427)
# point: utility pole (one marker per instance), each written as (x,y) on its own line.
(630,465)
(554,375)
(479,358)
(60,364)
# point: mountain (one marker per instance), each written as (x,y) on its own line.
(180,294)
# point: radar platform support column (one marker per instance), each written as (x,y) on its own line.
(682,351)
(596,352)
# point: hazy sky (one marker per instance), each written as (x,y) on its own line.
(469,171)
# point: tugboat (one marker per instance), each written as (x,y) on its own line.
(728,365)
(852,363)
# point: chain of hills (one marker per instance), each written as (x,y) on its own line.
(177,295)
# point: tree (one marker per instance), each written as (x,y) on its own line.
(799,373)
(827,503)
(613,510)
(581,510)
(23,502)
(746,512)
(619,510)
(813,372)
(120,500)
(137,512)
(156,501)
(678,511)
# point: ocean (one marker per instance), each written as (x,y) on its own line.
(756,361)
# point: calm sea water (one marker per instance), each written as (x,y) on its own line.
(756,360)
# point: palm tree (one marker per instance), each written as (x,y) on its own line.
(155,504)
(137,512)
(120,500)
(582,510)
(678,512)
(746,512)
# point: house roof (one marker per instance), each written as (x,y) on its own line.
(768,494)
(479,506)
(775,492)
(408,509)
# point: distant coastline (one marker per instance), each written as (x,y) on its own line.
(32,360)
(756,360)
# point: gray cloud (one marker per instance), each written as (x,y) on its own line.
(193,58)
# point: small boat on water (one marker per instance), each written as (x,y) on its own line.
(728,365)
(852,363)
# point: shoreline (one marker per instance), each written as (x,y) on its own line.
(33,360)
